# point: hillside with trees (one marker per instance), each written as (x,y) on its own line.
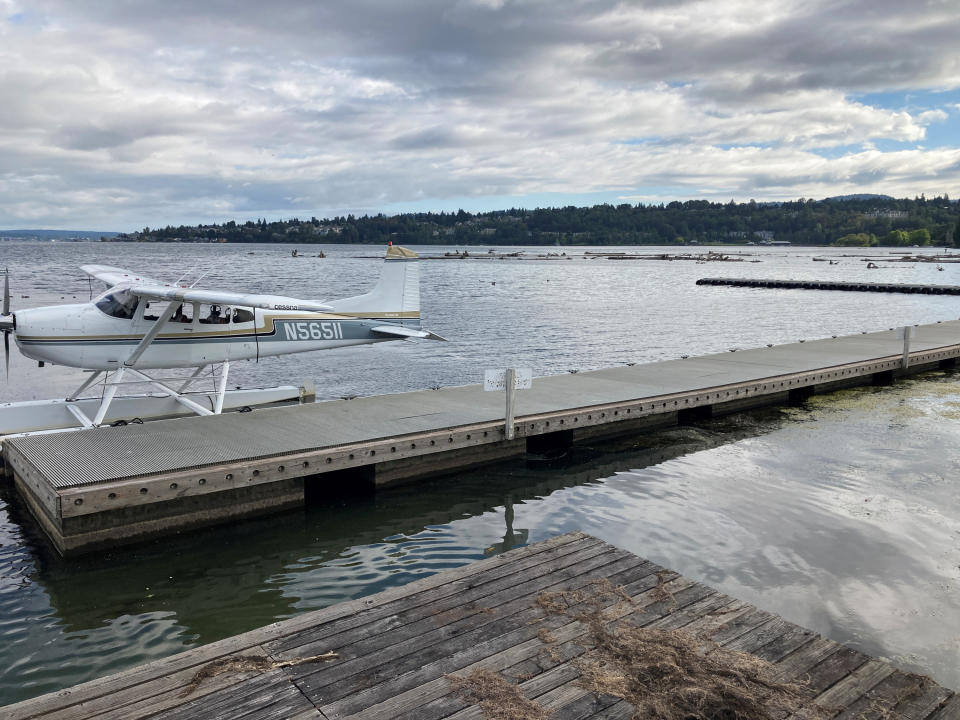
(851,221)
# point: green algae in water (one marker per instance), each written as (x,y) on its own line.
(908,399)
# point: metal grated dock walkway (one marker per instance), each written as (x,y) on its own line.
(90,457)
(97,488)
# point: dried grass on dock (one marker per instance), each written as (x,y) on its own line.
(668,674)
(498,698)
(248,663)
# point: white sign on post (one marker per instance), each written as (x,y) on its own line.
(510,380)
(497,379)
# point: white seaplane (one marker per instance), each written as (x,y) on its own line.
(140,325)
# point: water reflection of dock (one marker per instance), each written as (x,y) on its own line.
(316,542)
(99,487)
(525,616)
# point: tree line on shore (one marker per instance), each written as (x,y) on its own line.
(848,221)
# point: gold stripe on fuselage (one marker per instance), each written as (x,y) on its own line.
(268,327)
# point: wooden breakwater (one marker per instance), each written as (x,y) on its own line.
(523,619)
(848,286)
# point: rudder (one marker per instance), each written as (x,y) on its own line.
(396,296)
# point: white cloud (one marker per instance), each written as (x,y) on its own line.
(185,112)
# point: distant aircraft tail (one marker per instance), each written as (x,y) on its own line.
(396,297)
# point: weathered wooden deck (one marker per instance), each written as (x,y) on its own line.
(396,649)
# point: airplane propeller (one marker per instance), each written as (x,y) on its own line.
(6,321)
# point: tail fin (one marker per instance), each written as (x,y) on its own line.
(395,297)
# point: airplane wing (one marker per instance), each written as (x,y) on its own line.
(403,332)
(157,290)
(223,297)
(114,275)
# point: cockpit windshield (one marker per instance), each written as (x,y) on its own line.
(121,304)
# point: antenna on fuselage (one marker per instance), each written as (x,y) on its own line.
(179,279)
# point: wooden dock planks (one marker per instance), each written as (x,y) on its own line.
(396,649)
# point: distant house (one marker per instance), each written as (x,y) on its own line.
(763,235)
(891,214)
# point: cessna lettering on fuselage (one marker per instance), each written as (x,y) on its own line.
(313,330)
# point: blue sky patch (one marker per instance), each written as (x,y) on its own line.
(940,133)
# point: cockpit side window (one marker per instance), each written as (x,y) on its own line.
(182,313)
(214,315)
(121,304)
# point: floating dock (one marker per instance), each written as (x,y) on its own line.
(854,286)
(523,615)
(105,486)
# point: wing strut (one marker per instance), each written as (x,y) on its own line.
(151,334)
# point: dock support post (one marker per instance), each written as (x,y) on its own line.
(685,416)
(511,379)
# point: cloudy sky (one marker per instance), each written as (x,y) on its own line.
(115,114)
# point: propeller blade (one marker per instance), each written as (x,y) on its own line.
(6,332)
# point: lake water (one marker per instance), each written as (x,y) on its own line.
(842,516)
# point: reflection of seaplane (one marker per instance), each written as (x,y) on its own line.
(140,324)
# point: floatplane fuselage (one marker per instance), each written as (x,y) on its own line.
(102,334)
(140,325)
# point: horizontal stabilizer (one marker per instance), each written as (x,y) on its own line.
(406,332)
